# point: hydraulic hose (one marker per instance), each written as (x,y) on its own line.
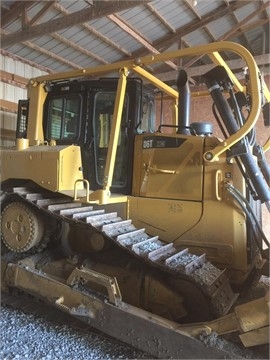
(254,173)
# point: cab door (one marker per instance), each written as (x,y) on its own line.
(102,97)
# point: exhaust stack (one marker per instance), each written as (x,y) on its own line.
(183,103)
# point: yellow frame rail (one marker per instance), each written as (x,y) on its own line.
(116,124)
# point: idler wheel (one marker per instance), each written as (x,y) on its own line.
(21,227)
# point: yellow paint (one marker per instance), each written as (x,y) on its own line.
(53,167)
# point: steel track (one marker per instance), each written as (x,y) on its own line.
(148,249)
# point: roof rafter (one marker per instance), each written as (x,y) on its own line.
(61,39)
(160,17)
(202,69)
(89,28)
(244,23)
(78,17)
(251,26)
(243,34)
(78,48)
(52,55)
(15,10)
(266,15)
(39,15)
(47,53)
(236,28)
(136,35)
(83,41)
(192,8)
(167,40)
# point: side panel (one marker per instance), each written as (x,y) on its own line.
(169,167)
(222,230)
(53,167)
(70,168)
(166,218)
(183,200)
(167,184)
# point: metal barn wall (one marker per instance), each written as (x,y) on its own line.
(15,74)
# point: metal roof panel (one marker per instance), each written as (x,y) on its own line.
(109,42)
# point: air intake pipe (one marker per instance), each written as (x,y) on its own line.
(183,102)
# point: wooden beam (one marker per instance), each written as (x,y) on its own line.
(25,61)
(49,54)
(167,40)
(200,70)
(7,134)
(137,36)
(255,24)
(245,21)
(78,17)
(52,55)
(236,28)
(160,17)
(8,106)
(192,8)
(15,10)
(93,31)
(243,35)
(42,12)
(79,48)
(13,79)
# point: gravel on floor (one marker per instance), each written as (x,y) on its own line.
(31,337)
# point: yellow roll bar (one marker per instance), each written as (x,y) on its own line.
(212,50)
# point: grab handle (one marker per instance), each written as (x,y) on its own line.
(163,171)
(218,178)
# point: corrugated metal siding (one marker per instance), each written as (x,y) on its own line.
(7,121)
(12,93)
(15,66)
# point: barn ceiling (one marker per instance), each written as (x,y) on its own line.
(66,35)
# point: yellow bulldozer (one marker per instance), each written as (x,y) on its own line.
(130,225)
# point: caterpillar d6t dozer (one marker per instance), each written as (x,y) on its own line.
(145,232)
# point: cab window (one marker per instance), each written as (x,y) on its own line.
(64,117)
(147,122)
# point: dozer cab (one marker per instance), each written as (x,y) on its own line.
(112,218)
